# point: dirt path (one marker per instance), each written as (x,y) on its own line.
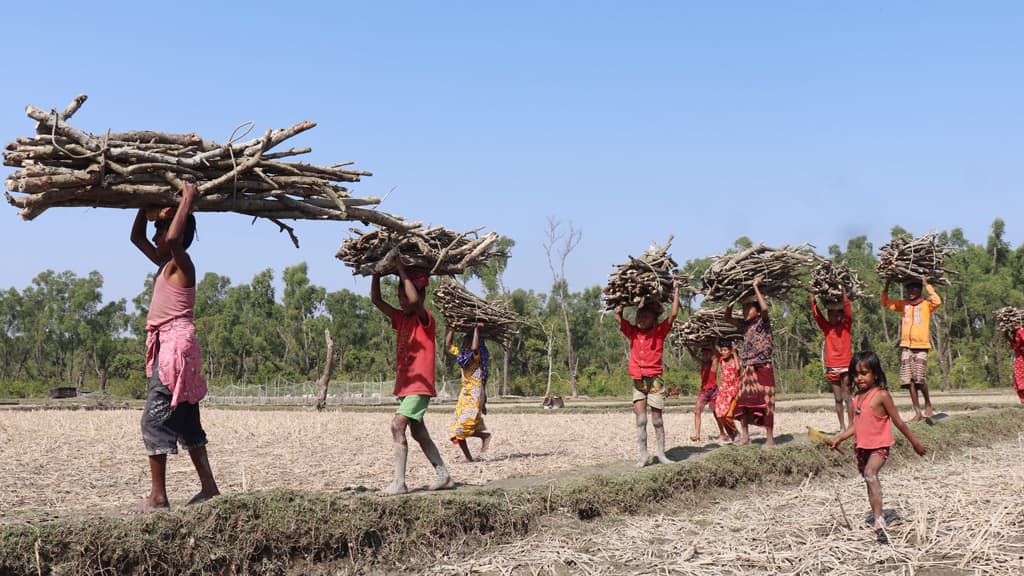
(968,519)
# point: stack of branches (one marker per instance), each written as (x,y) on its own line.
(730,278)
(643,281)
(829,279)
(463,310)
(63,166)
(704,328)
(1009,319)
(905,259)
(435,250)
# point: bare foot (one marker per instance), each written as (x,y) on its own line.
(443,483)
(643,460)
(769,445)
(486,442)
(201,497)
(929,412)
(393,490)
(664,459)
(917,417)
(146,506)
(743,440)
(695,438)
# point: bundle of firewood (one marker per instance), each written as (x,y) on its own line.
(64,166)
(730,278)
(1009,319)
(704,328)
(828,279)
(462,310)
(642,281)
(904,259)
(436,250)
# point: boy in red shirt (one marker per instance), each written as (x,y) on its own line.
(646,345)
(414,377)
(838,351)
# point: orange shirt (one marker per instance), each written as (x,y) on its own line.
(414,355)
(645,349)
(870,430)
(914,327)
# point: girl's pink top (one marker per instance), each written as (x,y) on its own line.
(870,431)
(170,329)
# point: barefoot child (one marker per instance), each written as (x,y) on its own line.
(474,359)
(173,358)
(838,351)
(646,346)
(708,360)
(1017,342)
(414,374)
(725,400)
(915,340)
(873,414)
(755,403)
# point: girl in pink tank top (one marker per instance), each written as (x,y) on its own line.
(873,412)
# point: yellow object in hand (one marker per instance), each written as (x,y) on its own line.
(822,439)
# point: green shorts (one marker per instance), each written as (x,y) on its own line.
(413,407)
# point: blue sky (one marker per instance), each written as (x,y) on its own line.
(785,122)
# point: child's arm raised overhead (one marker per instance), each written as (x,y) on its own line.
(412,295)
(449,338)
(675,302)
(139,237)
(379,301)
(760,297)
(890,408)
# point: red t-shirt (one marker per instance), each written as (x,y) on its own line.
(645,349)
(414,355)
(838,349)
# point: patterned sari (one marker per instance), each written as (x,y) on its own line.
(725,401)
(468,417)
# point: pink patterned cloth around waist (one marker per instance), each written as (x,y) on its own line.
(180,362)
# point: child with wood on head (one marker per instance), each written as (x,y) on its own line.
(414,374)
(755,403)
(173,357)
(646,346)
(873,414)
(474,359)
(915,340)
(1017,343)
(838,351)
(725,400)
(708,361)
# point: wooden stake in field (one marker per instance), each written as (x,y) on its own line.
(643,281)
(62,166)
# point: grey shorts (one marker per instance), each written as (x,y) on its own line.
(163,428)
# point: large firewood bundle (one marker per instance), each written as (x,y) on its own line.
(462,310)
(704,328)
(1009,319)
(730,278)
(828,279)
(905,259)
(63,166)
(642,281)
(436,250)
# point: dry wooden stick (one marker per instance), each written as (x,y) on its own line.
(436,250)
(462,310)
(829,279)
(905,259)
(1009,319)
(642,281)
(704,328)
(730,277)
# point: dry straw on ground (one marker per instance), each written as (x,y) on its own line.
(959,515)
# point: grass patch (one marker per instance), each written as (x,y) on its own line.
(286,531)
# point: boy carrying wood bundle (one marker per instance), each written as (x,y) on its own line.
(915,340)
(646,346)
(838,351)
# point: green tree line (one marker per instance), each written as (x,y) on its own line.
(59,332)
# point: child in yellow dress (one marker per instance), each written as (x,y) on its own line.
(474,359)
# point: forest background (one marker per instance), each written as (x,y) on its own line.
(58,331)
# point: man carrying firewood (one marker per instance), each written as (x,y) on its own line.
(915,340)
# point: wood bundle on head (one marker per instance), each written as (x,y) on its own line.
(828,279)
(642,281)
(436,250)
(1009,319)
(909,259)
(730,277)
(704,328)
(64,166)
(462,310)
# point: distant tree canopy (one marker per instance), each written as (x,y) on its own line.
(59,332)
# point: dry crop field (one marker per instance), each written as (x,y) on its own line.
(59,463)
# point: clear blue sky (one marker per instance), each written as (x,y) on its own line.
(786,122)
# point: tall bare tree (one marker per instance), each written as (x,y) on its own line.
(558,245)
